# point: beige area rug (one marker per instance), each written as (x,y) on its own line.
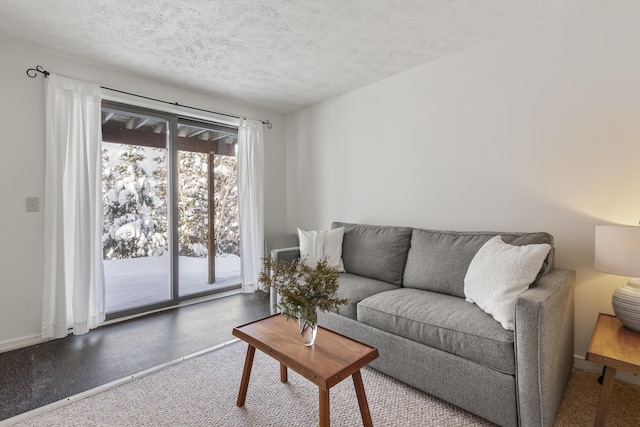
(202,391)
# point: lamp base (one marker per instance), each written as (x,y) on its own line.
(626,304)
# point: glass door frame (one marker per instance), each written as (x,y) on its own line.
(172,208)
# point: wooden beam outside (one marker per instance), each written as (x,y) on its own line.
(107,117)
(131,123)
(211,244)
(141,123)
(115,133)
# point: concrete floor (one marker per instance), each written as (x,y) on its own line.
(35,376)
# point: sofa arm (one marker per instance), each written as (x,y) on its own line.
(281,255)
(285,254)
(544,346)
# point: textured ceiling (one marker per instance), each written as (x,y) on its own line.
(283,54)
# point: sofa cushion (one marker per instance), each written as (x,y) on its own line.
(324,244)
(441,321)
(438,260)
(499,273)
(355,289)
(373,251)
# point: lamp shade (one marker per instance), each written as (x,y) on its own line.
(617,250)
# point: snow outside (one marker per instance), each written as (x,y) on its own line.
(135,228)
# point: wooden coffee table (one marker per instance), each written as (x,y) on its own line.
(330,360)
(615,347)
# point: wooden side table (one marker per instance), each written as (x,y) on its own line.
(615,347)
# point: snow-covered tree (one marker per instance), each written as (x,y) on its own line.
(160,181)
(130,228)
(193,203)
(135,198)
(227,227)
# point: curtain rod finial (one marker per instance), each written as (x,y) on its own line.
(33,72)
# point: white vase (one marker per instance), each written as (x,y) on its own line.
(626,304)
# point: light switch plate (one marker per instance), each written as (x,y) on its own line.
(33,204)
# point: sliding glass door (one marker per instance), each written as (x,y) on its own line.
(170,227)
(208,223)
(135,240)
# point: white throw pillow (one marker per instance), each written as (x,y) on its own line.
(499,273)
(316,245)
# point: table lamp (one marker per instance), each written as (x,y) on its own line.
(617,251)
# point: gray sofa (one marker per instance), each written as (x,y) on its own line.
(406,292)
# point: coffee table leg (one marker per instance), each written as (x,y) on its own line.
(362,399)
(244,384)
(605,395)
(325,419)
(283,373)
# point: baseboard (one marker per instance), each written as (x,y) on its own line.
(37,339)
(20,343)
(579,362)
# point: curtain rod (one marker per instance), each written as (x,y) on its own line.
(33,73)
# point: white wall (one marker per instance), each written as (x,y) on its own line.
(22,171)
(537,131)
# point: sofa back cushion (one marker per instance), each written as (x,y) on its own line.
(438,260)
(378,252)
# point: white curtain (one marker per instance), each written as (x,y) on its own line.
(74,279)
(251,203)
